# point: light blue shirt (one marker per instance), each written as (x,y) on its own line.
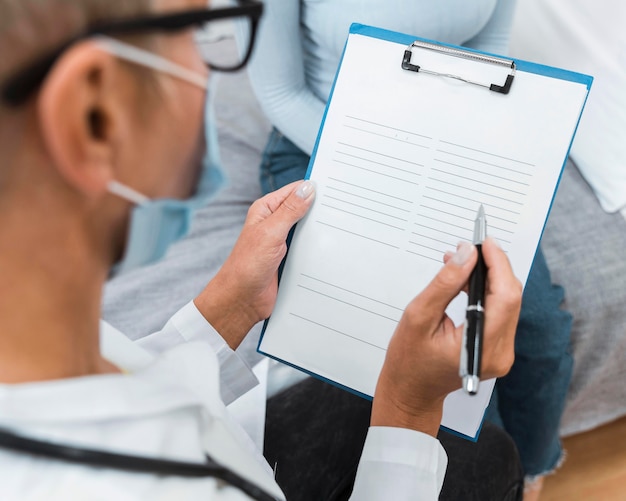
(299,46)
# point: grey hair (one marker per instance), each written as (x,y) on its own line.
(29,27)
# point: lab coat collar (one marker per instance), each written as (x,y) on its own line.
(185,377)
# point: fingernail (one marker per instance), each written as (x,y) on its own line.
(463,253)
(305,190)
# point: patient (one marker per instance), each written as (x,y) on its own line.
(103,141)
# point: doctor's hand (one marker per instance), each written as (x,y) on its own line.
(244,290)
(422,363)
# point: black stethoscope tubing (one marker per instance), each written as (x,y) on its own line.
(128,463)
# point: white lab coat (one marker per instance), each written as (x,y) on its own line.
(170,406)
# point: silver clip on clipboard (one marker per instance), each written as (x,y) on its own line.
(466,54)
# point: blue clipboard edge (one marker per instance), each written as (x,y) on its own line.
(367,397)
(290,236)
(404,39)
(527,66)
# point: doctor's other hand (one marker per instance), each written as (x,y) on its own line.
(244,290)
(422,363)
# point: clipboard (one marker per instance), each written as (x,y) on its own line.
(415,136)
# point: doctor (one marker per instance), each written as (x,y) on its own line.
(102,137)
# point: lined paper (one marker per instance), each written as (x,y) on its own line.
(401,166)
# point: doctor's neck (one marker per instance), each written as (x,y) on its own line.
(51,276)
(49,321)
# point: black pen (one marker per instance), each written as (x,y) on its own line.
(471,350)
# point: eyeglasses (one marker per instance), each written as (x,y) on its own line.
(213,29)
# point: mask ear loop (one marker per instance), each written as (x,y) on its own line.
(127,193)
(146,58)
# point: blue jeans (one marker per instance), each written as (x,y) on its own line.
(529,401)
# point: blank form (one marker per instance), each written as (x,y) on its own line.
(402,163)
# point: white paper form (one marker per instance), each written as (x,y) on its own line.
(402,163)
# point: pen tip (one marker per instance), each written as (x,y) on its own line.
(481,211)
(470,384)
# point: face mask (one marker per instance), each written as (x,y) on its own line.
(156,224)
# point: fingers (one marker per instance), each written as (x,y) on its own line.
(446,285)
(292,208)
(501,280)
(502,306)
(283,208)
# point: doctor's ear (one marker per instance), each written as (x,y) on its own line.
(85,111)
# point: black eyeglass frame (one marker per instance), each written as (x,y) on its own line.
(18,88)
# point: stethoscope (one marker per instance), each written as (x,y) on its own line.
(128,463)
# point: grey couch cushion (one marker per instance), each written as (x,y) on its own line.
(586,249)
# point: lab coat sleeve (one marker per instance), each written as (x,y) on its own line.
(188,324)
(399,464)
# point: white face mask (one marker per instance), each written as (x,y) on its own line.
(157,224)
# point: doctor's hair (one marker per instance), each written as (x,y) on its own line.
(30,27)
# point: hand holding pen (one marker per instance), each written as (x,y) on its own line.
(471,351)
(422,362)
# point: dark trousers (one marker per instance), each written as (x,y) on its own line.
(315,433)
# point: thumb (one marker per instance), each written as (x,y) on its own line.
(449,281)
(293,208)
